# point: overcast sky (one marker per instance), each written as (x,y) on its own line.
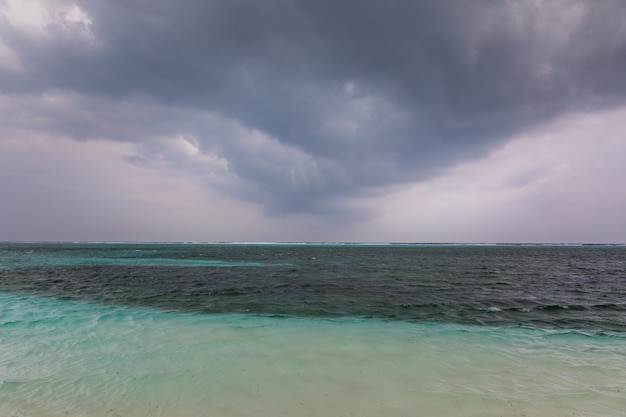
(313,120)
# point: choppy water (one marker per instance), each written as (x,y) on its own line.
(312,330)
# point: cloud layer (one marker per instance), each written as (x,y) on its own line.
(302,106)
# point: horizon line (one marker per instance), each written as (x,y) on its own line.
(183,242)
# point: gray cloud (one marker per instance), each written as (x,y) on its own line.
(330,98)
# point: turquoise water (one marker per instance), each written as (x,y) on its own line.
(85,334)
(77,358)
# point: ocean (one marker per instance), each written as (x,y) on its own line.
(266,330)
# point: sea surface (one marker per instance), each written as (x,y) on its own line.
(312,330)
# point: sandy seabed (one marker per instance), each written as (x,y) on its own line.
(75,358)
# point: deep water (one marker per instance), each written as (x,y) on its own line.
(537,286)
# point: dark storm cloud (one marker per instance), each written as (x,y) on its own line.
(348,95)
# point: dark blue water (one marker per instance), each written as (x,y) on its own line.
(579,287)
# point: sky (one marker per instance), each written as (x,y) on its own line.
(313,120)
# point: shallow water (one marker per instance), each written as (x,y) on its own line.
(82,334)
(65,357)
